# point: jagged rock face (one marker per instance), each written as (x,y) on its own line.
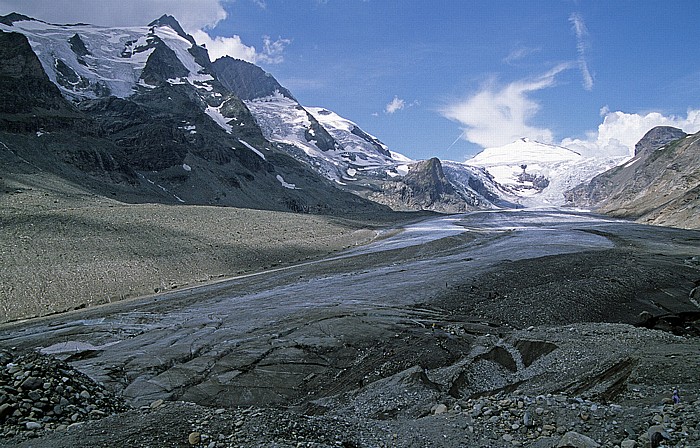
(657,137)
(23,82)
(427,180)
(245,80)
(606,184)
(425,187)
(659,185)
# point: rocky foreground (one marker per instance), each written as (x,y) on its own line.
(45,403)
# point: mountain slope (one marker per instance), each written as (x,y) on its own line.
(149,121)
(660,185)
(338,148)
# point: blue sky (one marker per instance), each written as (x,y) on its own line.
(447,78)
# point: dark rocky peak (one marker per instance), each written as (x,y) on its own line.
(318,134)
(427,177)
(247,81)
(78,46)
(13,17)
(170,21)
(656,138)
(162,64)
(23,81)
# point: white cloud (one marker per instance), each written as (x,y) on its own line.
(272,53)
(519,54)
(579,27)
(222,46)
(498,116)
(395,105)
(620,131)
(273,50)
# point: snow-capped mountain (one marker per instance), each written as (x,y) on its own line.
(338,148)
(140,115)
(535,174)
(180,128)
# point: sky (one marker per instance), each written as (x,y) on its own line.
(447,78)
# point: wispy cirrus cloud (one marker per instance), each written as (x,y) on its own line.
(579,27)
(498,115)
(519,54)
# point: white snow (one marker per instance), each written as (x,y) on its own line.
(285,121)
(563,168)
(218,117)
(403,169)
(117,56)
(247,145)
(631,162)
(285,184)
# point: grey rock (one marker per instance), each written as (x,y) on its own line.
(573,439)
(33,426)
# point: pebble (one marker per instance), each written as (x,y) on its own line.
(194,438)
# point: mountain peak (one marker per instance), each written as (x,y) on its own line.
(14,17)
(657,137)
(170,21)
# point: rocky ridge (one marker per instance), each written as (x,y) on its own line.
(659,185)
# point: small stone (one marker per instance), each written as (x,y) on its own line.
(507,438)
(439,409)
(85,395)
(573,439)
(528,421)
(33,426)
(194,438)
(628,443)
(156,404)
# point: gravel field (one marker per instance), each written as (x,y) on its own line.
(62,248)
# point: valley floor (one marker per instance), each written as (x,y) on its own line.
(491,329)
(63,248)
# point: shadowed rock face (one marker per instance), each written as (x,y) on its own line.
(23,82)
(427,181)
(169,141)
(247,81)
(424,187)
